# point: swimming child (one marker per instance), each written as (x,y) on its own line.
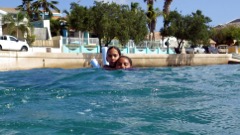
(124,62)
(113,53)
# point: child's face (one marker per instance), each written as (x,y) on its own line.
(112,56)
(123,63)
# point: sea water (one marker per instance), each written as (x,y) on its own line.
(166,100)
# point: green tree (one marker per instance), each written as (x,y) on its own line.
(123,29)
(78,18)
(109,21)
(199,28)
(138,28)
(26,6)
(43,6)
(55,26)
(132,25)
(104,21)
(226,34)
(19,23)
(192,27)
(134,7)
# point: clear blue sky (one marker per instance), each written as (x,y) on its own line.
(220,11)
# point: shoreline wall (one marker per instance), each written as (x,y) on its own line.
(161,60)
(29,60)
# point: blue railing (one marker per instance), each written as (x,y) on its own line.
(78,46)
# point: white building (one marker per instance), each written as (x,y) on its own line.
(1,14)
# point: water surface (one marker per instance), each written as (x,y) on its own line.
(168,100)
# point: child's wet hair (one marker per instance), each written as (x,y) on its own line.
(116,48)
(129,59)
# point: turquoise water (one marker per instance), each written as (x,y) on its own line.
(169,100)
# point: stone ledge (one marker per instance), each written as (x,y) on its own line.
(29,60)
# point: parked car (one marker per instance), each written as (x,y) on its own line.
(11,43)
(222,49)
(194,50)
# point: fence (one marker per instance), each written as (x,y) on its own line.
(233,49)
(91,45)
(54,42)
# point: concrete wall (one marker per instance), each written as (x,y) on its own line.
(42,27)
(54,42)
(45,50)
(160,60)
(46,43)
(40,33)
(30,60)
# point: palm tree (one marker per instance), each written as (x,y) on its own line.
(43,6)
(16,24)
(166,6)
(26,6)
(166,10)
(152,18)
(149,1)
(152,15)
(134,7)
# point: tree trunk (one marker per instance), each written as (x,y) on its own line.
(100,44)
(166,10)
(178,50)
(166,6)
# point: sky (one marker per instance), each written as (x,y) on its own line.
(220,11)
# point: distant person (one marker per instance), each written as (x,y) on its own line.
(212,49)
(124,62)
(113,53)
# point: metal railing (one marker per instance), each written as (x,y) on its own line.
(91,45)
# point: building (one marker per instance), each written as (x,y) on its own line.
(2,13)
(5,11)
(235,22)
(42,26)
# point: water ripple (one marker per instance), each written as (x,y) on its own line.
(167,100)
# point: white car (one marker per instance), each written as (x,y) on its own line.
(11,43)
(222,49)
(199,50)
(195,50)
